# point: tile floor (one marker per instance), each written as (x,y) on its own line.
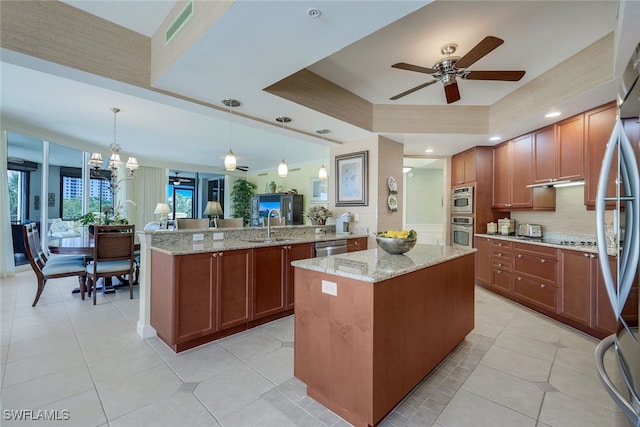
(516,368)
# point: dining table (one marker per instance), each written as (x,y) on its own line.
(83,245)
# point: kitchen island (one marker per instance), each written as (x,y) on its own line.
(369,326)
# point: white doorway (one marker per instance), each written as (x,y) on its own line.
(424,203)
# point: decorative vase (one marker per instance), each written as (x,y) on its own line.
(318,221)
(272,187)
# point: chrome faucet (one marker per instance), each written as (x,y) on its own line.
(278,214)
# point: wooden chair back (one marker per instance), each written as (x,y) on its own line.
(229,222)
(113,242)
(34,256)
(187,223)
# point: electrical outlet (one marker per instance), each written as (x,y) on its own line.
(198,237)
(218,236)
(330,288)
(356,217)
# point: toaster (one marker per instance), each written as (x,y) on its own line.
(530,230)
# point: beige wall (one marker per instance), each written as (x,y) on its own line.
(570,216)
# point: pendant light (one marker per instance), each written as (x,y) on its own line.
(230,161)
(283,170)
(322,172)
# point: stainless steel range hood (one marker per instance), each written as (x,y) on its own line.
(564,183)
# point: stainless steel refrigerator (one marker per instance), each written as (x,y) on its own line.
(622,240)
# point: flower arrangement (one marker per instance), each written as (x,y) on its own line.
(318,215)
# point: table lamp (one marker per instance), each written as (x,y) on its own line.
(212,208)
(162,209)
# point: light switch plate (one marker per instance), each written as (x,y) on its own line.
(330,288)
(198,237)
(218,236)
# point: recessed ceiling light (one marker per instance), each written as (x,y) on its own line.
(495,138)
(429,150)
(552,114)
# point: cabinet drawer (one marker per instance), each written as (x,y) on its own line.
(501,254)
(544,251)
(543,268)
(500,264)
(536,292)
(503,245)
(501,279)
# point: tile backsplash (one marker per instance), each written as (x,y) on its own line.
(570,216)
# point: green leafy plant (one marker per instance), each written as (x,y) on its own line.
(88,218)
(241,195)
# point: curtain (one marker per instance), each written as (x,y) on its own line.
(7,266)
(149,188)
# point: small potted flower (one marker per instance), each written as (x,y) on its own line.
(318,215)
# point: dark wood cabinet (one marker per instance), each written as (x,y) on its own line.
(577,283)
(535,270)
(357,244)
(544,155)
(569,141)
(294,253)
(521,173)
(463,167)
(502,175)
(599,123)
(603,318)
(483,260)
(233,274)
(501,267)
(268,286)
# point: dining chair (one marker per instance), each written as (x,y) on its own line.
(46,256)
(113,255)
(47,269)
(228,222)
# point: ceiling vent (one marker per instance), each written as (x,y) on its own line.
(179,23)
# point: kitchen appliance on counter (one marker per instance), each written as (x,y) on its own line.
(507,227)
(492,228)
(462,200)
(620,155)
(343,223)
(462,231)
(530,230)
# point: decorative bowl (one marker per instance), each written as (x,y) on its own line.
(394,245)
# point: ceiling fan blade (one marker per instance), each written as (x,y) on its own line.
(452,93)
(242,168)
(416,68)
(508,76)
(481,49)
(407,92)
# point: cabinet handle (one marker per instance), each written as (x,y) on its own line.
(592,256)
(543,286)
(519,256)
(586,255)
(499,244)
(499,253)
(498,271)
(543,261)
(221,253)
(519,278)
(499,265)
(215,255)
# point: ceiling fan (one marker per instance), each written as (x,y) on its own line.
(177,180)
(449,68)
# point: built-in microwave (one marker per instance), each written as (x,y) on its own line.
(462,231)
(462,200)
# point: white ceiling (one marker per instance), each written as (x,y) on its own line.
(257,43)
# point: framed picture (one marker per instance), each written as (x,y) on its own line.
(352,179)
(319,190)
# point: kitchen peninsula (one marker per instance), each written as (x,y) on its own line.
(369,326)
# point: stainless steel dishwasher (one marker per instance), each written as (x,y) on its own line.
(330,247)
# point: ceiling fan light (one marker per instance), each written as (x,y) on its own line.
(230,161)
(283,170)
(322,173)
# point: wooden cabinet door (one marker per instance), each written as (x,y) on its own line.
(483,260)
(501,175)
(233,272)
(598,126)
(457,169)
(470,165)
(544,155)
(521,173)
(575,286)
(268,284)
(357,244)
(195,299)
(570,148)
(294,253)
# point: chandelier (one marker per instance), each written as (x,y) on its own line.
(114,162)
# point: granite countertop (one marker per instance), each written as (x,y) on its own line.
(555,243)
(181,247)
(375,265)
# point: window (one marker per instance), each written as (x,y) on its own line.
(180,200)
(18,194)
(100,195)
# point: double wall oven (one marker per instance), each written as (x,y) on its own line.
(462,217)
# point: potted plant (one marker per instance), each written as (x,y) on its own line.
(241,195)
(318,215)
